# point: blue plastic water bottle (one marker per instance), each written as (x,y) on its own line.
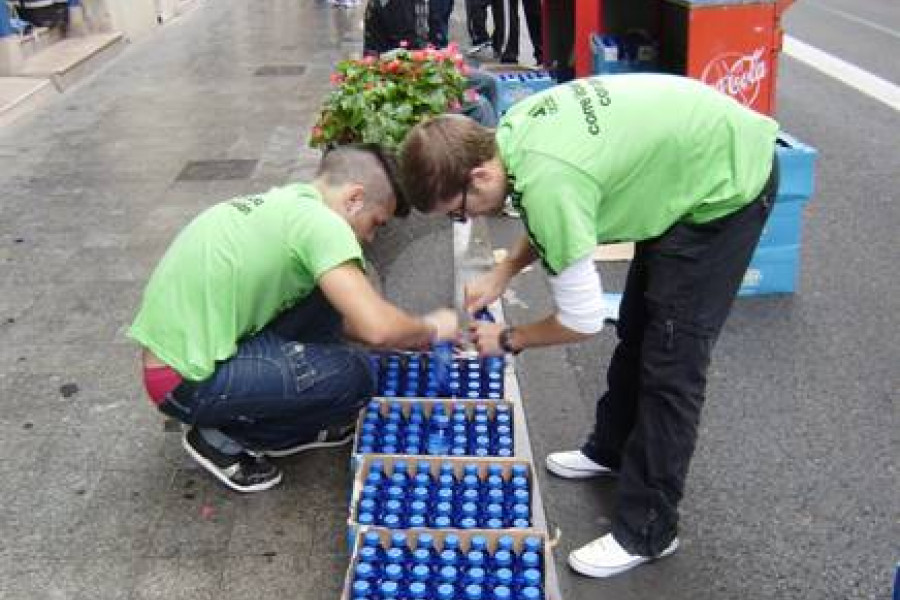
(501,592)
(446,591)
(529,593)
(389,590)
(361,589)
(418,590)
(474,592)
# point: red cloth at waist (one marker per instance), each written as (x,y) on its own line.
(159,381)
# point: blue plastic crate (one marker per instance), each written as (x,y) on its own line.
(513,86)
(784,225)
(796,162)
(772,270)
(611,54)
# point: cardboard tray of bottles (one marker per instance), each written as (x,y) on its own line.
(462,493)
(427,406)
(434,578)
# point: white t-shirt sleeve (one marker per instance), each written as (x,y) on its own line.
(578,294)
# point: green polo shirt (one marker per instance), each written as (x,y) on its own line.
(624,157)
(234,268)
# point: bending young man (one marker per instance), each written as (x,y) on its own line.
(243,320)
(667,162)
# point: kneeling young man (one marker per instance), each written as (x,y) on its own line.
(243,321)
(668,162)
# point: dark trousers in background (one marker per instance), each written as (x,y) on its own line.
(476,21)
(439,12)
(284,384)
(679,291)
(506,28)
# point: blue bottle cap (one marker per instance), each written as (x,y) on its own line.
(388,448)
(417,590)
(531,560)
(393,572)
(361,588)
(392,521)
(495,481)
(478,542)
(368,554)
(364,570)
(446,481)
(474,592)
(494,511)
(445,591)
(418,507)
(398,540)
(470,495)
(368,491)
(475,558)
(532,543)
(394,555)
(367,505)
(468,523)
(502,592)
(470,469)
(443,522)
(371,539)
(503,576)
(469,509)
(503,558)
(476,575)
(425,540)
(417,520)
(519,482)
(521,496)
(470,482)
(530,593)
(495,523)
(421,556)
(394,507)
(389,589)
(495,496)
(521,511)
(505,452)
(448,573)
(421,572)
(420,492)
(451,541)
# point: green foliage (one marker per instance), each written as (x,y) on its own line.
(381,99)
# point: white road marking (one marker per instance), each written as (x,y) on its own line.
(860,20)
(860,79)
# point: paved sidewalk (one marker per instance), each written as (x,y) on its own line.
(99,500)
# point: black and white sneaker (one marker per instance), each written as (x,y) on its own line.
(242,472)
(330,437)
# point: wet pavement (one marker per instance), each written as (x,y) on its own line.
(794,490)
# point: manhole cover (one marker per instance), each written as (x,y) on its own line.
(214,170)
(280,70)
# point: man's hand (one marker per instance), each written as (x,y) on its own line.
(445,323)
(485,289)
(486,337)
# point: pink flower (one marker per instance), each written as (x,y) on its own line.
(453,47)
(368,60)
(418,56)
(454,105)
(317,132)
(404,44)
(336,79)
(470,95)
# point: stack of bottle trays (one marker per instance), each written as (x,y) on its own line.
(439,565)
(418,375)
(442,493)
(436,428)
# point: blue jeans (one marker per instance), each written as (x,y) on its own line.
(284,384)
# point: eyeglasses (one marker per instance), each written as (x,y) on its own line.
(458,215)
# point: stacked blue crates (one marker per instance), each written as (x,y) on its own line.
(442,505)
(775,266)
(513,86)
(633,53)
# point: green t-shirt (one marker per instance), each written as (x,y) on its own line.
(623,158)
(233,269)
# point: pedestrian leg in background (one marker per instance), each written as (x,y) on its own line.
(476,25)
(506,30)
(532,10)
(439,12)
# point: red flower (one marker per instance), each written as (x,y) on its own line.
(368,60)
(336,79)
(418,56)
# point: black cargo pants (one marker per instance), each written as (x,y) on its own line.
(679,291)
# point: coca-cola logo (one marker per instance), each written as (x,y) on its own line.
(738,75)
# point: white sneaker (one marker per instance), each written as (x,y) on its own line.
(604,557)
(573,464)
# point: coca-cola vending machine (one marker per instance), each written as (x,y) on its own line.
(732,45)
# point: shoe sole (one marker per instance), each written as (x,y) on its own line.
(569,473)
(305,447)
(604,572)
(217,473)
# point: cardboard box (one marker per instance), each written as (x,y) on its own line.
(435,461)
(549,581)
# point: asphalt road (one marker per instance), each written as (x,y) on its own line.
(793,492)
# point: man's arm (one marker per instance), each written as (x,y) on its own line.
(374,321)
(486,288)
